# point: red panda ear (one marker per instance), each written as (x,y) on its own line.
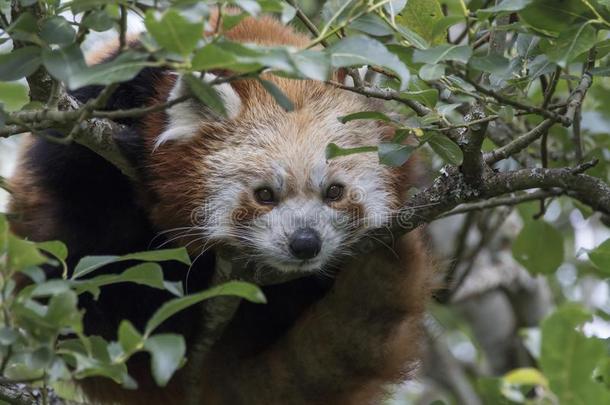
(184,119)
(344,78)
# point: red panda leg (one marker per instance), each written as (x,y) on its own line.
(363,334)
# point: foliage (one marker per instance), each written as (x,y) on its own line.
(520,62)
(42,340)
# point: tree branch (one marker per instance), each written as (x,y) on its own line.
(518,144)
(565,121)
(503,201)
(471,142)
(385,94)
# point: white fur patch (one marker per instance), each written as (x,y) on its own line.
(186,118)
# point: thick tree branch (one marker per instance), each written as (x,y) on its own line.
(471,142)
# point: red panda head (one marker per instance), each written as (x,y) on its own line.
(258,180)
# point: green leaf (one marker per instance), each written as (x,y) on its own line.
(245,57)
(446,149)
(372,24)
(600,257)
(431,72)
(572,43)
(568,358)
(162,255)
(506,5)
(421,16)
(123,68)
(19,63)
(48,288)
(240,289)
(129,337)
(539,247)
(89,264)
(392,154)
(206,94)
(25,28)
(148,274)
(334,150)
(64,63)
(167,353)
(56,30)
(174,32)
(277,94)
(63,311)
(493,63)
(211,57)
(87,366)
(526,376)
(365,115)
(428,97)
(312,64)
(13,96)
(22,254)
(441,26)
(98,20)
(441,53)
(56,248)
(360,50)
(555,16)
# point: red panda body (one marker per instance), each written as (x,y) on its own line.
(319,340)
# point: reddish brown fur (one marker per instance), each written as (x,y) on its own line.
(364,334)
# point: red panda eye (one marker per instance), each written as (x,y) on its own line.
(334,192)
(264,195)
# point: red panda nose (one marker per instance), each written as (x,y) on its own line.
(305,243)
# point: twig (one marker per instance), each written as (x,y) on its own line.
(576,99)
(564,120)
(307,22)
(519,144)
(123,29)
(385,94)
(504,201)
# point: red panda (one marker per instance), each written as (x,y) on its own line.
(256,181)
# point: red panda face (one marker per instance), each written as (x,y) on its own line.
(266,186)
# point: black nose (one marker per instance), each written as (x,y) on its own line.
(305,243)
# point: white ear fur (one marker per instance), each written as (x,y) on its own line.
(185,119)
(362,71)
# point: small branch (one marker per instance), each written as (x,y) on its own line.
(519,144)
(578,95)
(565,121)
(576,99)
(385,94)
(550,91)
(504,201)
(307,22)
(123,29)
